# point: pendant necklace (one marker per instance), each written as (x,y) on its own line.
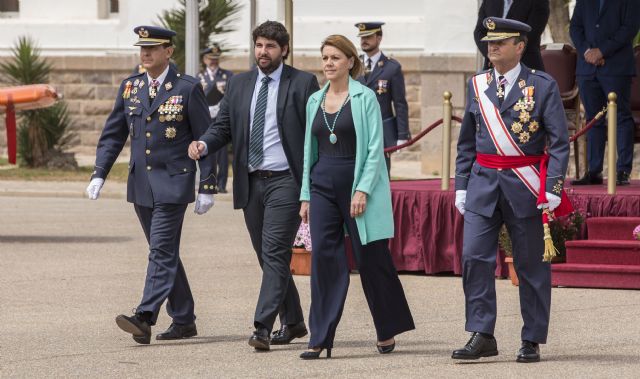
(332,137)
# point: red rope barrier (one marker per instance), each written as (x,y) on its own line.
(588,126)
(423,133)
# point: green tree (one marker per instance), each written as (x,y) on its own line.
(42,132)
(216,18)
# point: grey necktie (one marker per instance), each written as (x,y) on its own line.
(256,137)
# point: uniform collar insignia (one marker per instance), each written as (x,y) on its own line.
(522,83)
(168,86)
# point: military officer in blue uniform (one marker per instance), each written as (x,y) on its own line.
(512,114)
(161,112)
(214,79)
(384,76)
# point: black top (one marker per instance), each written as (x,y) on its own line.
(345,131)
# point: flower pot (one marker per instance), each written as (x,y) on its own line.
(512,271)
(300,261)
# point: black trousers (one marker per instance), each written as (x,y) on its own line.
(222,157)
(166,278)
(331,182)
(272,218)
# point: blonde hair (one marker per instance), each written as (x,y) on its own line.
(347,47)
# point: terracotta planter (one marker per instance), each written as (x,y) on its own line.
(300,261)
(512,271)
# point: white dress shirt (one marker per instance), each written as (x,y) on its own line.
(505,9)
(374,59)
(511,76)
(274,158)
(160,78)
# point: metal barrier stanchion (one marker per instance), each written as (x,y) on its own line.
(612,118)
(446,140)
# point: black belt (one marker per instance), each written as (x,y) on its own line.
(266,174)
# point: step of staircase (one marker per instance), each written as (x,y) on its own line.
(595,276)
(611,228)
(603,252)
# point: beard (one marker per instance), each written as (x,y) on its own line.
(368,47)
(270,66)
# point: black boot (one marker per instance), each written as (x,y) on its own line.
(139,325)
(622,179)
(177,331)
(260,339)
(479,346)
(588,179)
(529,352)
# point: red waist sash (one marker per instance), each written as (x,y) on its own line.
(510,162)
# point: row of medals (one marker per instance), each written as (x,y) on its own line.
(525,107)
(171,110)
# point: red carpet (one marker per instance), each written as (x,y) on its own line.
(428,234)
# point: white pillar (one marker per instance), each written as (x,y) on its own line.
(192,37)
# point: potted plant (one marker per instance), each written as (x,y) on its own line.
(562,229)
(504,243)
(301,252)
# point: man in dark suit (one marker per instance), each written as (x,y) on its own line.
(384,76)
(214,81)
(513,123)
(603,32)
(534,13)
(263,115)
(161,111)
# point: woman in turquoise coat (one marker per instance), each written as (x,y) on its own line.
(345,184)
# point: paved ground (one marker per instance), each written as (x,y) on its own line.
(70,265)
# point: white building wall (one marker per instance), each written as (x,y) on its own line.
(413,27)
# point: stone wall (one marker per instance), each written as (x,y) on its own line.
(89,86)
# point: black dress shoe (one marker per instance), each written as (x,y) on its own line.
(309,354)
(137,325)
(177,332)
(529,352)
(288,333)
(478,346)
(386,349)
(588,179)
(622,179)
(260,339)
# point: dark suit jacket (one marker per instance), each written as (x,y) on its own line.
(387,81)
(534,13)
(232,123)
(160,170)
(611,30)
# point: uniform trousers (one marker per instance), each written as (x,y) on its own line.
(480,246)
(166,278)
(593,92)
(331,182)
(272,218)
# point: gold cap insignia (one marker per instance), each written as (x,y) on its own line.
(361,27)
(491,25)
(143,33)
(170,132)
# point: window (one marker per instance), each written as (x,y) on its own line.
(9,8)
(114,6)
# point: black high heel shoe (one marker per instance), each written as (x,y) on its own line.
(315,354)
(386,349)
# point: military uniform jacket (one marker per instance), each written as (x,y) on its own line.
(160,171)
(219,81)
(387,81)
(532,130)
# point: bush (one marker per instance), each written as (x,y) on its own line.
(42,133)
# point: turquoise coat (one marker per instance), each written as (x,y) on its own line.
(370,175)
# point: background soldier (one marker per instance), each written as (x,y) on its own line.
(161,111)
(214,82)
(511,113)
(384,76)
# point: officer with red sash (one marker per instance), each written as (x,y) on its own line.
(513,152)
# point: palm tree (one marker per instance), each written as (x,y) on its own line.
(216,17)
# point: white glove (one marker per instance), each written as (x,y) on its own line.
(552,202)
(401,141)
(94,187)
(204,202)
(461,198)
(213,111)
